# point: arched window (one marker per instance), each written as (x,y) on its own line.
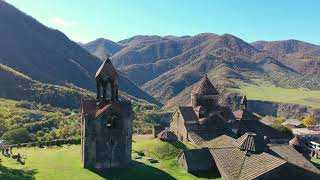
(112,120)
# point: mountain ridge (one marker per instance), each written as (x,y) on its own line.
(49,56)
(227,59)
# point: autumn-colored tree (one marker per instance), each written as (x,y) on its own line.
(279,120)
(309,121)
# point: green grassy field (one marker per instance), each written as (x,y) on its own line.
(63,163)
(316,162)
(267,92)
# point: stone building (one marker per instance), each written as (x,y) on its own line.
(106,124)
(156,129)
(247,157)
(204,119)
(235,145)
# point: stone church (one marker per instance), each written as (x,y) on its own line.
(204,119)
(106,124)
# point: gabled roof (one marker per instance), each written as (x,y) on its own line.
(106,70)
(294,141)
(205,87)
(221,141)
(289,154)
(96,108)
(238,161)
(245,115)
(234,163)
(188,113)
(200,137)
(261,130)
(198,159)
(257,165)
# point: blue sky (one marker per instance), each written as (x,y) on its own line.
(251,20)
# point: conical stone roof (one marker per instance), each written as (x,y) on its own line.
(205,87)
(106,70)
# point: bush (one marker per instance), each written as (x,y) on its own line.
(309,121)
(281,128)
(24,104)
(279,120)
(16,136)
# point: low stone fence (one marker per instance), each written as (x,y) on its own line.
(56,142)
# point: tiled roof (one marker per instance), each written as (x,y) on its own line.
(256,165)
(229,161)
(188,113)
(96,107)
(289,154)
(205,87)
(106,70)
(261,130)
(221,141)
(236,160)
(89,106)
(245,115)
(294,141)
(198,138)
(246,142)
(234,163)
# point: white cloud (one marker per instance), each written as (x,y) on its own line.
(61,22)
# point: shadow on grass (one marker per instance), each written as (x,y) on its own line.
(317,165)
(14,174)
(177,144)
(207,174)
(136,170)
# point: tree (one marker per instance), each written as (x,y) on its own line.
(16,136)
(281,128)
(309,121)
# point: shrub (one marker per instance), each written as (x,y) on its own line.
(281,128)
(24,104)
(16,136)
(279,120)
(309,121)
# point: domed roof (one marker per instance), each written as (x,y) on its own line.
(205,87)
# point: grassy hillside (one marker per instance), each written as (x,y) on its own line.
(17,86)
(64,163)
(46,122)
(265,91)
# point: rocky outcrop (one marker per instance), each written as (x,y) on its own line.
(268,108)
(286,110)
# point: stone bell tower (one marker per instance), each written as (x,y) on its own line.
(106,124)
